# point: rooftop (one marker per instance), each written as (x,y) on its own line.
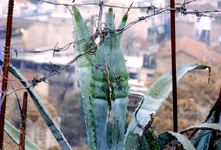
(191,47)
(34,114)
(16,83)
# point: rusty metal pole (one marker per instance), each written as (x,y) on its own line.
(5,69)
(173,48)
(23,122)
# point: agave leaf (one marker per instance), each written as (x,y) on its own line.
(42,109)
(169,135)
(110,102)
(203,137)
(156,96)
(203,141)
(14,134)
(164,138)
(84,67)
(104,131)
(151,139)
(147,142)
(203,126)
(122,25)
(218,145)
(134,142)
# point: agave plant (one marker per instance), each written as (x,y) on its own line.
(104,87)
(105,103)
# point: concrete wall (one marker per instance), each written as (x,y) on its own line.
(185,29)
(216,31)
(164,63)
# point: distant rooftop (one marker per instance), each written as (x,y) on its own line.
(191,47)
(46,58)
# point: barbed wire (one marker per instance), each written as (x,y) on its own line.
(181,8)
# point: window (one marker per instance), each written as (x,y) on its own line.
(149,75)
(133,75)
(16,63)
(46,67)
(28,65)
(149,62)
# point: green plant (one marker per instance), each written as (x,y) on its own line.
(104,87)
(43,111)
(103,80)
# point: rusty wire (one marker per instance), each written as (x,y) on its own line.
(180,8)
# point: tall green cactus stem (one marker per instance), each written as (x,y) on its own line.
(110,89)
(104,89)
(84,68)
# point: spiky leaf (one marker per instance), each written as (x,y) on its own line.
(110,101)
(163,138)
(155,98)
(14,134)
(204,138)
(104,102)
(203,126)
(42,109)
(84,68)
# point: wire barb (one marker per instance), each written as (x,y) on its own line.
(102,32)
